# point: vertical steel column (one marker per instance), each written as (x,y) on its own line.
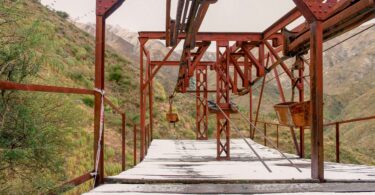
(301,99)
(265,134)
(149,86)
(277,136)
(235,81)
(248,78)
(146,138)
(201,103)
(142,100)
(223,100)
(99,84)
(168,23)
(104,9)
(316,82)
(123,142)
(135,144)
(337,125)
(151,103)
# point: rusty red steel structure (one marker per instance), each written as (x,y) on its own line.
(336,124)
(324,20)
(201,103)
(223,100)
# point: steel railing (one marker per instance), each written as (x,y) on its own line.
(337,125)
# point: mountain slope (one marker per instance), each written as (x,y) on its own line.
(126,44)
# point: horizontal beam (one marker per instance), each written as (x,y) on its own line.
(208,36)
(208,91)
(7,85)
(177,63)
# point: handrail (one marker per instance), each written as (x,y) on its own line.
(350,121)
(337,130)
(118,110)
(7,85)
(327,124)
(71,183)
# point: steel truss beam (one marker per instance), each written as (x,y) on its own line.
(223,100)
(210,36)
(346,16)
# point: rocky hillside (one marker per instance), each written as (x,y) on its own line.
(126,44)
(350,91)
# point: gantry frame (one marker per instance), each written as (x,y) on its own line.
(324,20)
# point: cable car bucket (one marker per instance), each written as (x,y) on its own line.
(171,116)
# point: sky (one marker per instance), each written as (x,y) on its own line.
(149,15)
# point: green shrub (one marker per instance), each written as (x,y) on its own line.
(88,101)
(115,73)
(62,14)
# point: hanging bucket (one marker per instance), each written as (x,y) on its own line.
(172,117)
(294,114)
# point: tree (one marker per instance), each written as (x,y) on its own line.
(62,14)
(35,129)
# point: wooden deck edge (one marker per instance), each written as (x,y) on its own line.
(203,181)
(254,188)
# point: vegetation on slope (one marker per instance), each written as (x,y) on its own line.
(45,138)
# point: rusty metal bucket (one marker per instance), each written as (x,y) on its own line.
(294,114)
(172,117)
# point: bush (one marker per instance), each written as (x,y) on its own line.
(88,101)
(115,73)
(62,14)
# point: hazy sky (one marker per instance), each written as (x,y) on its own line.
(225,15)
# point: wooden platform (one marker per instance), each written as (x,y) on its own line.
(190,167)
